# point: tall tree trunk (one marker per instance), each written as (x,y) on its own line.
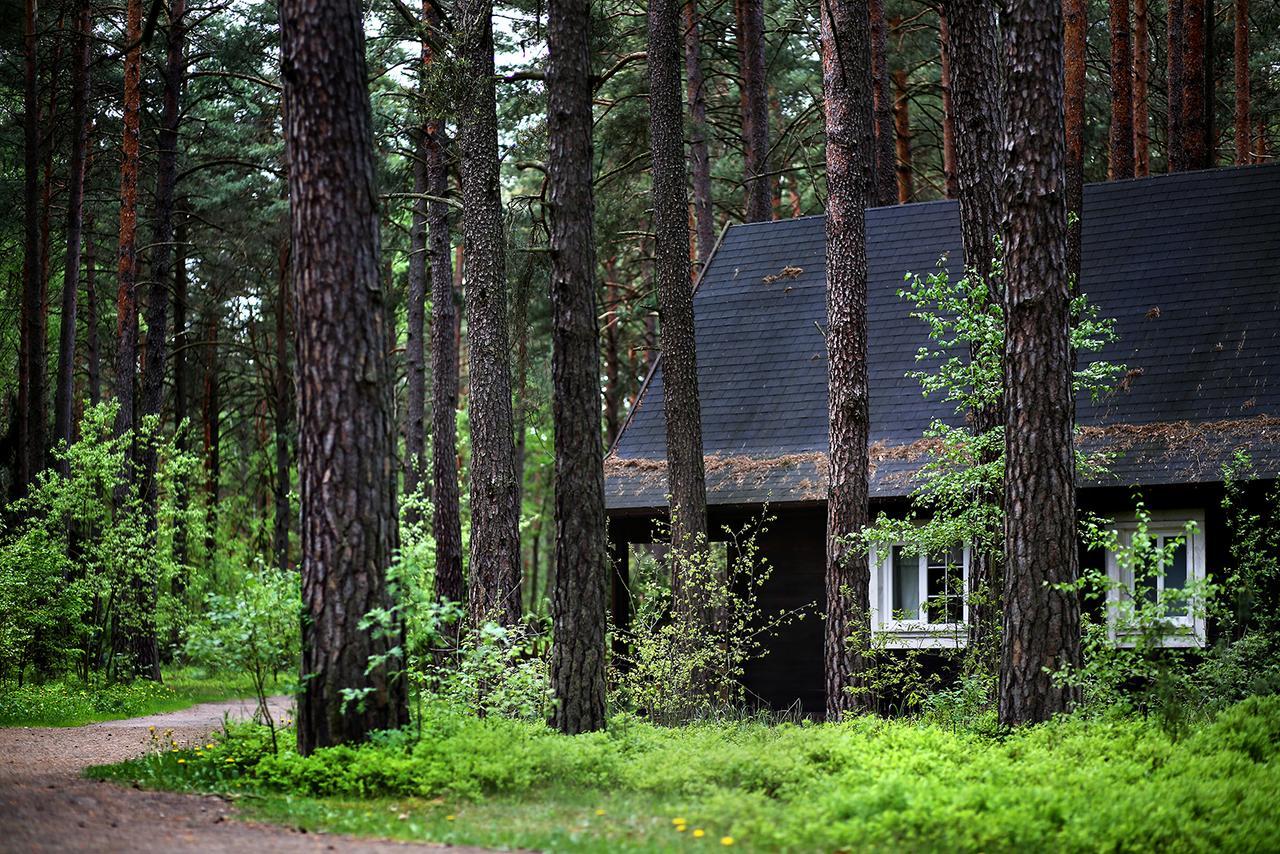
(126,366)
(495,541)
(1242,131)
(1195,153)
(1075,25)
(347,430)
(446,522)
(1120,158)
(1141,104)
(703,212)
(283,411)
(847,97)
(754,91)
(975,67)
(415,417)
(902,135)
(64,397)
(886,180)
(1210,87)
(136,634)
(948,107)
(93,352)
(582,558)
(520,331)
(1042,621)
(685,468)
(31,344)
(1174,149)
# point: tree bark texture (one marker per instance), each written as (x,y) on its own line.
(1195,151)
(902,135)
(754,91)
(1041,623)
(948,107)
(347,435)
(1243,133)
(495,542)
(685,468)
(446,522)
(1174,149)
(31,349)
(1141,103)
(1120,139)
(64,395)
(92,347)
(978,99)
(886,181)
(1075,24)
(847,96)
(699,157)
(578,668)
(127,273)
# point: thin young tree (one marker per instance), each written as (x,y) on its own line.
(948,105)
(754,93)
(494,589)
(1120,140)
(64,394)
(1041,619)
(847,99)
(978,101)
(415,416)
(902,134)
(347,431)
(30,414)
(582,558)
(1075,23)
(699,156)
(685,467)
(1242,125)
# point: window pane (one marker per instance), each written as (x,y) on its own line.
(906,585)
(945,578)
(1175,577)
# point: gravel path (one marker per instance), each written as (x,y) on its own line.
(46,805)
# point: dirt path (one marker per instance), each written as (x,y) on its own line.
(46,805)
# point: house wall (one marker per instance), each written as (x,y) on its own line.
(789,677)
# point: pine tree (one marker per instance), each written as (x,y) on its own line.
(346,447)
(847,98)
(582,559)
(1041,620)
(1120,160)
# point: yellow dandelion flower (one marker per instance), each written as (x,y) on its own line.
(677,820)
(599,812)
(151,729)
(680,828)
(726,840)
(208,747)
(699,832)
(182,762)
(231,759)
(450,817)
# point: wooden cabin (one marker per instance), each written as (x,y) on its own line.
(1188,265)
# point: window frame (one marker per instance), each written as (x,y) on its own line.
(914,634)
(1187,632)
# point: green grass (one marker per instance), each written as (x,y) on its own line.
(70,702)
(866,784)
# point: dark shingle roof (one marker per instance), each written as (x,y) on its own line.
(1187,264)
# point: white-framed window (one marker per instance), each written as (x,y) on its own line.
(918,600)
(1178,536)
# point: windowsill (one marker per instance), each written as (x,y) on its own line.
(1184,637)
(922,636)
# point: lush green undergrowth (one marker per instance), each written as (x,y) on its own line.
(1075,784)
(71,702)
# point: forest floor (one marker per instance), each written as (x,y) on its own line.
(46,804)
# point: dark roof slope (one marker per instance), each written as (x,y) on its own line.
(1187,264)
